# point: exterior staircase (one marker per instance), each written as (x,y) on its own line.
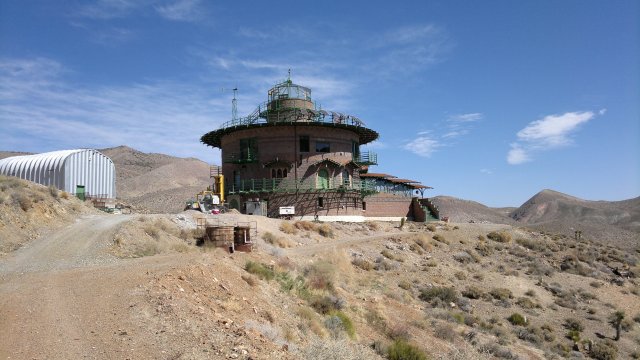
(424,210)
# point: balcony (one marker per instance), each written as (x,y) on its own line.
(289,185)
(240,158)
(366,158)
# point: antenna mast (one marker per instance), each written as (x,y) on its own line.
(234,102)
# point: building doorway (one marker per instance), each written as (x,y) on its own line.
(323,179)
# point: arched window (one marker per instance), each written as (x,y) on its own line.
(323,179)
(273,173)
(279,173)
(284,173)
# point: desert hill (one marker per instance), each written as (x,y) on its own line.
(615,221)
(156,183)
(460,210)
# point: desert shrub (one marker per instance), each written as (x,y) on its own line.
(604,350)
(326,304)
(460,275)
(499,236)
(501,293)
(260,270)
(320,275)
(444,332)
(530,334)
(362,263)
(530,293)
(344,321)
(498,351)
(22,200)
(573,324)
(323,349)
(573,335)
(484,249)
(440,238)
(399,332)
(384,264)
(290,284)
(402,350)
(373,226)
(413,247)
(386,253)
(465,257)
(517,319)
(526,303)
(423,242)
(326,230)
(64,195)
(276,240)
(404,284)
(288,228)
(473,292)
(431,227)
(531,244)
(441,294)
(376,320)
(305,225)
(53,191)
(540,268)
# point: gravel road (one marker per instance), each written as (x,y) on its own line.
(80,244)
(64,297)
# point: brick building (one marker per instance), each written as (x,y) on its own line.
(289,152)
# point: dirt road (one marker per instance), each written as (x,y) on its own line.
(64,297)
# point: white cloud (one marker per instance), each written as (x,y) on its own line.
(55,113)
(423,145)
(471,117)
(552,131)
(181,10)
(486,171)
(517,155)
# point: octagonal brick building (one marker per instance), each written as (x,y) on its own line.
(291,152)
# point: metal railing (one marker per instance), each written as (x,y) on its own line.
(288,185)
(292,114)
(238,158)
(366,158)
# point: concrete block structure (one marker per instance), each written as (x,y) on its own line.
(290,152)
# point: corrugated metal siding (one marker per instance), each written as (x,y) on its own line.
(66,169)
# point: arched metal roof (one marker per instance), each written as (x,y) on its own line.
(65,169)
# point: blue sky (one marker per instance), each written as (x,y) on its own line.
(490,101)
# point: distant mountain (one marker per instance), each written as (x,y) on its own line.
(157,183)
(459,210)
(609,221)
(6,154)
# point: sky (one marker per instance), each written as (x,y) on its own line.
(490,101)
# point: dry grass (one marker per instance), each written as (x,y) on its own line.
(500,236)
(288,228)
(276,240)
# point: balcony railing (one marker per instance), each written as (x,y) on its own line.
(290,185)
(237,158)
(366,158)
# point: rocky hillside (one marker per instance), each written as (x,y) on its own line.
(459,210)
(28,210)
(156,183)
(614,221)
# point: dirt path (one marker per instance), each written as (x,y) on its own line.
(80,244)
(64,297)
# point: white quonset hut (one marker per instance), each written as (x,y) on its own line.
(81,171)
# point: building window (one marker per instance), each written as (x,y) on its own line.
(248,149)
(364,205)
(278,173)
(321,202)
(322,147)
(304,143)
